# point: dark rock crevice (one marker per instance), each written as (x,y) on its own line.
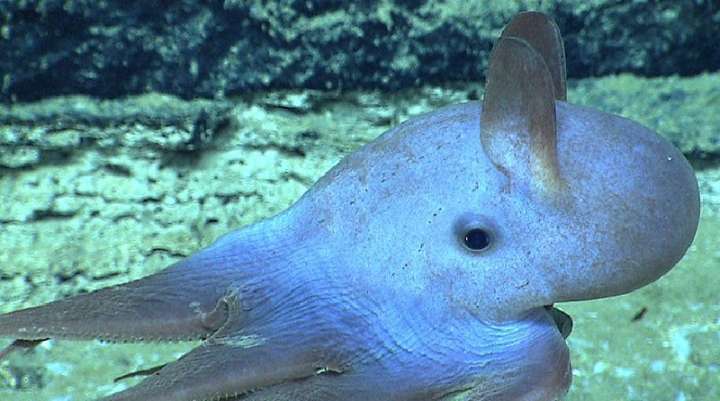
(115,48)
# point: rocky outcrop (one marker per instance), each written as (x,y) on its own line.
(112,48)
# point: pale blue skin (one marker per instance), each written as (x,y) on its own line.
(382,310)
(364,290)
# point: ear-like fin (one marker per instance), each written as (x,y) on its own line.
(543,34)
(518,131)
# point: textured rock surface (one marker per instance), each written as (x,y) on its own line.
(52,130)
(112,48)
(114,190)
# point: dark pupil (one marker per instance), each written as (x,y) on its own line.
(477,239)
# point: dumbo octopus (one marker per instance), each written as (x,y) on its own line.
(425,265)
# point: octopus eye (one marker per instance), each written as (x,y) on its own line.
(476,239)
